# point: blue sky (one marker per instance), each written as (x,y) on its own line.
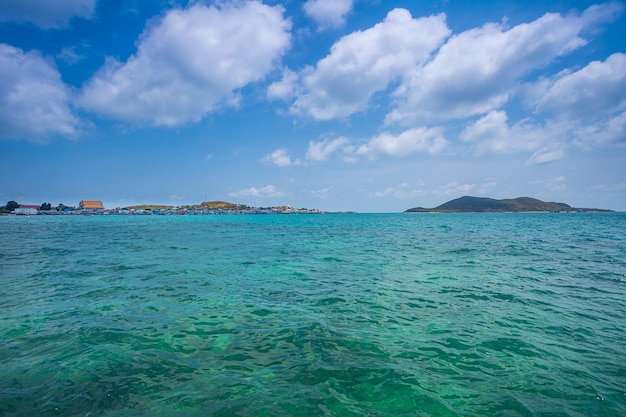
(366,105)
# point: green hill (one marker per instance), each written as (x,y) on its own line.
(217,205)
(469,204)
(206,205)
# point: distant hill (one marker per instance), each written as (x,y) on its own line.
(207,205)
(219,205)
(469,204)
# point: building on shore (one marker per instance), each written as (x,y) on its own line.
(91,205)
(26,209)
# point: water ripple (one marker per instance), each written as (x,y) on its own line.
(450,315)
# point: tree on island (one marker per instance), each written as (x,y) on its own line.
(11,205)
(45,206)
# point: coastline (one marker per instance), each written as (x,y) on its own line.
(173,212)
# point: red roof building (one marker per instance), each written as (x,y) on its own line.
(91,205)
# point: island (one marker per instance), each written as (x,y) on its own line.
(91,207)
(468,204)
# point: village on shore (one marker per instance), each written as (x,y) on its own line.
(95,207)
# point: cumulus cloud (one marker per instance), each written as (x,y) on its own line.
(545,142)
(475,71)
(317,151)
(366,62)
(587,109)
(321,150)
(189,63)
(34,101)
(267,191)
(611,130)
(493,134)
(440,77)
(279,158)
(469,76)
(328,13)
(46,14)
(590,102)
(422,139)
(595,90)
(455,188)
(285,88)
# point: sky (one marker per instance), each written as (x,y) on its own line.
(343,105)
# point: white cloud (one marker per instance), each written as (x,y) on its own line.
(69,55)
(428,140)
(267,191)
(403,191)
(546,142)
(492,134)
(285,88)
(601,133)
(455,188)
(595,90)
(422,139)
(490,131)
(321,150)
(547,154)
(475,71)
(189,63)
(34,101)
(323,193)
(366,62)
(279,158)
(328,13)
(46,14)
(588,106)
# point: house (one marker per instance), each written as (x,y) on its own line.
(26,209)
(91,205)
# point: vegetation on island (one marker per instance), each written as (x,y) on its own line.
(10,206)
(217,205)
(468,204)
(206,205)
(149,207)
(213,206)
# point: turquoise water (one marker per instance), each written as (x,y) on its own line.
(314,315)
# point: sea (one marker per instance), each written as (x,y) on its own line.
(422,314)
